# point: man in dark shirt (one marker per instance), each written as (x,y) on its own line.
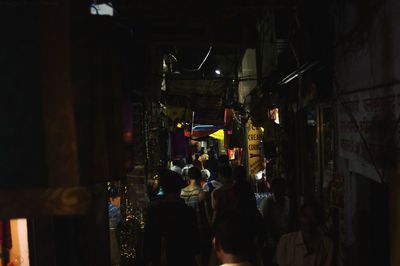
(171,234)
(233,238)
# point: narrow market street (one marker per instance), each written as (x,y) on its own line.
(242,132)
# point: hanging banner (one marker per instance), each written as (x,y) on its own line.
(254,138)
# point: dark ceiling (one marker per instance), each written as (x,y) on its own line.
(187,31)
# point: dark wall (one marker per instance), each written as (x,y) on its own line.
(369,224)
(22,153)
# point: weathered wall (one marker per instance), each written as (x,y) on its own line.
(248,75)
(367,80)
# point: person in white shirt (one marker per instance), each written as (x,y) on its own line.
(233,240)
(307,247)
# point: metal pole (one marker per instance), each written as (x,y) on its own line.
(191,131)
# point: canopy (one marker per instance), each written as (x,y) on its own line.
(218,134)
(205,130)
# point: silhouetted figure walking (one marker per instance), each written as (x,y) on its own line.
(171,232)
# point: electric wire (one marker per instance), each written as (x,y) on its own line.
(202,63)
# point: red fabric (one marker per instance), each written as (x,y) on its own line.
(228,117)
(202,133)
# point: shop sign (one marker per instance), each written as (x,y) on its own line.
(254,142)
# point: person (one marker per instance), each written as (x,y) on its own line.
(213,181)
(275,212)
(205,174)
(189,161)
(185,174)
(177,166)
(308,246)
(114,217)
(246,203)
(171,233)
(225,195)
(153,188)
(211,164)
(191,193)
(233,241)
(185,170)
(246,199)
(197,162)
(194,197)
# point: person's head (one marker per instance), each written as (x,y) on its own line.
(178,162)
(115,196)
(194,174)
(233,237)
(185,173)
(239,173)
(170,182)
(205,173)
(196,156)
(310,217)
(278,188)
(176,169)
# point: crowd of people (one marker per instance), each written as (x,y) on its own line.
(204,212)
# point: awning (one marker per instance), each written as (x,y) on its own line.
(205,130)
(218,134)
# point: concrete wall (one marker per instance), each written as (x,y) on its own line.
(248,75)
(367,81)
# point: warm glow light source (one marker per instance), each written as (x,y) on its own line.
(274,115)
(259,175)
(179,125)
(19,253)
(218,72)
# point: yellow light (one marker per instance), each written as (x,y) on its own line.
(179,125)
(218,134)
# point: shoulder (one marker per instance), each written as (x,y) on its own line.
(185,190)
(216,183)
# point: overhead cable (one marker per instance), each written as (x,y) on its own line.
(202,63)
